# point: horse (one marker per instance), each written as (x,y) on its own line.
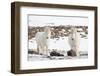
(42,39)
(74,41)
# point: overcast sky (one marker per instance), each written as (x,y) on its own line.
(40,20)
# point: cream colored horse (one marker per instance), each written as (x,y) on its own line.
(42,41)
(74,40)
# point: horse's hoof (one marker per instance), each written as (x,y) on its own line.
(71,53)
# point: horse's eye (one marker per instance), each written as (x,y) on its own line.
(72,38)
(47,37)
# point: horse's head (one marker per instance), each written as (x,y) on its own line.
(73,29)
(73,33)
(47,30)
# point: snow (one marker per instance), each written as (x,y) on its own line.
(60,44)
(34,57)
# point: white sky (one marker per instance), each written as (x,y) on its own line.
(40,20)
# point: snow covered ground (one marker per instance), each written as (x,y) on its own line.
(61,45)
(35,57)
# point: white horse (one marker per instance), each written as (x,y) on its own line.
(74,40)
(42,41)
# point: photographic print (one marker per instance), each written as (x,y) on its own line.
(57,37)
(52,37)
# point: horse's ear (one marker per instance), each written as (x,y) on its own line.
(50,29)
(47,28)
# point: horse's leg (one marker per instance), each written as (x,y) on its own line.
(47,51)
(44,50)
(41,50)
(38,49)
(77,45)
(77,50)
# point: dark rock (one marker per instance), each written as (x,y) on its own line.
(32,52)
(71,53)
(54,53)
